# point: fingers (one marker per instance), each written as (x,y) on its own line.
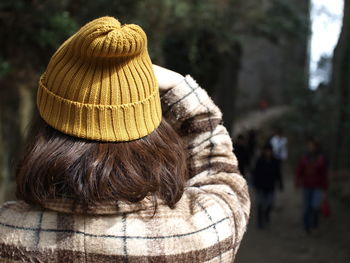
(166,78)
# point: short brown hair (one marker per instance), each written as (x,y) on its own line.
(56,165)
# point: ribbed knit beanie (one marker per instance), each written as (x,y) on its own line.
(100,84)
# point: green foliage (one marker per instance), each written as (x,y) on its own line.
(33,29)
(41,26)
(58,27)
(296,24)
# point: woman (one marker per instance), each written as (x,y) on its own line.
(107,178)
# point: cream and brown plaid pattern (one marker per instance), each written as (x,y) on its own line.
(207,224)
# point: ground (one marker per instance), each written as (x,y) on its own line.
(285,242)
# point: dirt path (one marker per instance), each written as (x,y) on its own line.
(285,242)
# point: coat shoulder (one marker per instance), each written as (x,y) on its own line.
(17,222)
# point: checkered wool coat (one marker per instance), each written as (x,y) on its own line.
(207,224)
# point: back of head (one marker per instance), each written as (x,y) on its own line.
(267,151)
(100,135)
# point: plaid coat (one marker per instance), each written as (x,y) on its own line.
(207,224)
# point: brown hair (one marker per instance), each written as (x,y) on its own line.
(56,165)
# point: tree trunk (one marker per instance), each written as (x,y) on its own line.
(10,138)
(226,88)
(16,109)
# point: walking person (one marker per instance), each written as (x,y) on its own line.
(279,143)
(266,176)
(251,143)
(312,177)
(128,162)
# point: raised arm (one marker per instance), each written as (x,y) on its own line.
(213,166)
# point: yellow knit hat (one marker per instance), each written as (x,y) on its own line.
(100,84)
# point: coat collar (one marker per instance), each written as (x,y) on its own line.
(105,208)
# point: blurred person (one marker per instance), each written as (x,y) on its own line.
(251,147)
(279,144)
(266,176)
(312,177)
(241,151)
(107,176)
(252,134)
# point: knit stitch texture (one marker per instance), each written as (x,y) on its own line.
(100,84)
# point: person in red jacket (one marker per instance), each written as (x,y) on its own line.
(312,176)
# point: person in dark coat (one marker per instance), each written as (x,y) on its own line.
(241,152)
(251,143)
(266,176)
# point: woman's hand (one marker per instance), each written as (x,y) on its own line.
(166,78)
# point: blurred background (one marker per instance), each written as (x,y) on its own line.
(275,67)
